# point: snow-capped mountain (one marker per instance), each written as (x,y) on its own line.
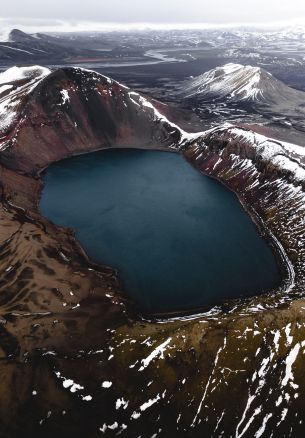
(236,82)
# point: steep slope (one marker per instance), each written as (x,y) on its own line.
(45,115)
(15,85)
(238,83)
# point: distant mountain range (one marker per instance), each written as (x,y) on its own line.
(20,47)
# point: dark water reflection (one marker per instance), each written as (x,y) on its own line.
(179,239)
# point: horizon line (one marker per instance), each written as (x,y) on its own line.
(56,25)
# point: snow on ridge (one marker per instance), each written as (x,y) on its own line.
(4,88)
(285,156)
(34,74)
(230,80)
(142,102)
(231,67)
(14,74)
(12,92)
(97,75)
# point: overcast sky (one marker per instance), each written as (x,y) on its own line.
(219,12)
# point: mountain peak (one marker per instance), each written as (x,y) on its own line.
(233,82)
(18,36)
(232,67)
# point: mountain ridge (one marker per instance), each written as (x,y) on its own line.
(239,83)
(76,108)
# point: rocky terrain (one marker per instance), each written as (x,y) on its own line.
(245,95)
(75,358)
(236,83)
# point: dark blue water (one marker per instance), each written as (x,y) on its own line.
(179,239)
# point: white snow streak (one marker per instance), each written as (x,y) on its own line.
(159,351)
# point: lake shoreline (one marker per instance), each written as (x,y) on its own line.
(177,269)
(282,261)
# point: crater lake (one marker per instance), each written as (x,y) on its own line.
(179,239)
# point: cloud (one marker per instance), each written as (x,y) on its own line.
(92,13)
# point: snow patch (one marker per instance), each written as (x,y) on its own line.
(65,96)
(159,351)
(106,384)
(14,74)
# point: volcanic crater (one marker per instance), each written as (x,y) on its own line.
(68,333)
